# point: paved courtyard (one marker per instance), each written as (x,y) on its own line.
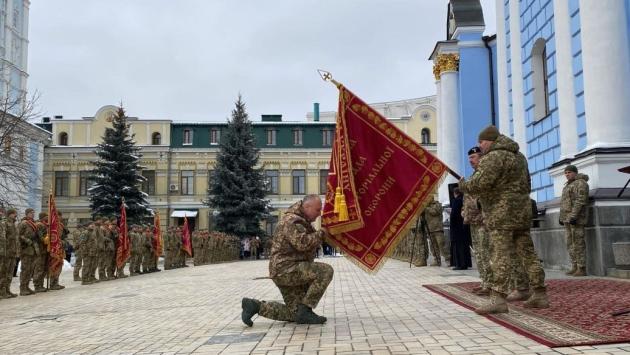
(197,310)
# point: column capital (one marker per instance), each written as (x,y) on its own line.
(448,62)
(436,71)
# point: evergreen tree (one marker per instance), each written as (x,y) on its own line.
(117,174)
(238,189)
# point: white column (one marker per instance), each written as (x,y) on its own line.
(564,77)
(518,106)
(441,141)
(452,126)
(502,83)
(606,62)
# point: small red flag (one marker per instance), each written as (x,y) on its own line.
(186,244)
(55,247)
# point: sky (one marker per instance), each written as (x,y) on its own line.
(188,60)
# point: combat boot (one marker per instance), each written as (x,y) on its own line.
(39,289)
(420,263)
(3,294)
(89,282)
(305,315)
(482,292)
(573,270)
(10,294)
(56,286)
(518,295)
(538,299)
(77,278)
(250,307)
(497,305)
(26,291)
(581,271)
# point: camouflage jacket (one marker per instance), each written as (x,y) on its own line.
(294,240)
(3,237)
(471,212)
(433,214)
(502,185)
(29,240)
(574,200)
(12,238)
(89,242)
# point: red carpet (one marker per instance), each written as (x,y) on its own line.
(580,312)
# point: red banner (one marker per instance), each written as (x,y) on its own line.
(123,252)
(157,235)
(186,243)
(379,180)
(55,245)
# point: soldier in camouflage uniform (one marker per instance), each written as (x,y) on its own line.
(8,252)
(75,241)
(89,254)
(136,250)
(63,236)
(433,215)
(573,209)
(29,250)
(41,261)
(147,251)
(501,182)
(481,244)
(196,246)
(302,282)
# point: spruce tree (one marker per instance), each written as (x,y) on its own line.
(238,189)
(117,174)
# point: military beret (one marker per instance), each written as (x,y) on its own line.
(572,168)
(43,215)
(490,133)
(474,150)
(11,211)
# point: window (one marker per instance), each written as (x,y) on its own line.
(210,179)
(297,136)
(271,224)
(299,179)
(215,136)
(86,180)
(188,137)
(426,136)
(22,153)
(327,137)
(188,181)
(540,80)
(63,138)
(271,136)
(271,181)
(62,183)
(156,138)
(148,185)
(323,181)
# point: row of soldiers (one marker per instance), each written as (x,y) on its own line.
(213,247)
(29,241)
(428,232)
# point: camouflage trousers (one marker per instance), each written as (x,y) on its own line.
(78,264)
(576,244)
(481,247)
(27,270)
(502,244)
(440,246)
(306,285)
(518,274)
(7,264)
(419,249)
(88,266)
(41,269)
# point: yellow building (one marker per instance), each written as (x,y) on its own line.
(178,158)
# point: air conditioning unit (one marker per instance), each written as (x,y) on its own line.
(173,187)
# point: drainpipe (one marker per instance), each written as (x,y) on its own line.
(493,118)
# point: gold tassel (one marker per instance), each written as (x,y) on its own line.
(338,196)
(343,209)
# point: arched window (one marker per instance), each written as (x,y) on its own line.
(539,79)
(426,136)
(63,138)
(156,138)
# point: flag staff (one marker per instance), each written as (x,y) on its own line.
(327,76)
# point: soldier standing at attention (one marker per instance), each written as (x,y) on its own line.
(573,207)
(89,254)
(433,213)
(302,282)
(41,260)
(481,245)
(63,236)
(29,249)
(75,241)
(501,182)
(9,253)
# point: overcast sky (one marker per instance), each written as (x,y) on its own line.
(187,60)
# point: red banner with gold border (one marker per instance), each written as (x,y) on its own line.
(55,245)
(386,179)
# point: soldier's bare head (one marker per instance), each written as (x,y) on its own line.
(311,207)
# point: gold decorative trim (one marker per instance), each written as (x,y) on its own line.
(448,62)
